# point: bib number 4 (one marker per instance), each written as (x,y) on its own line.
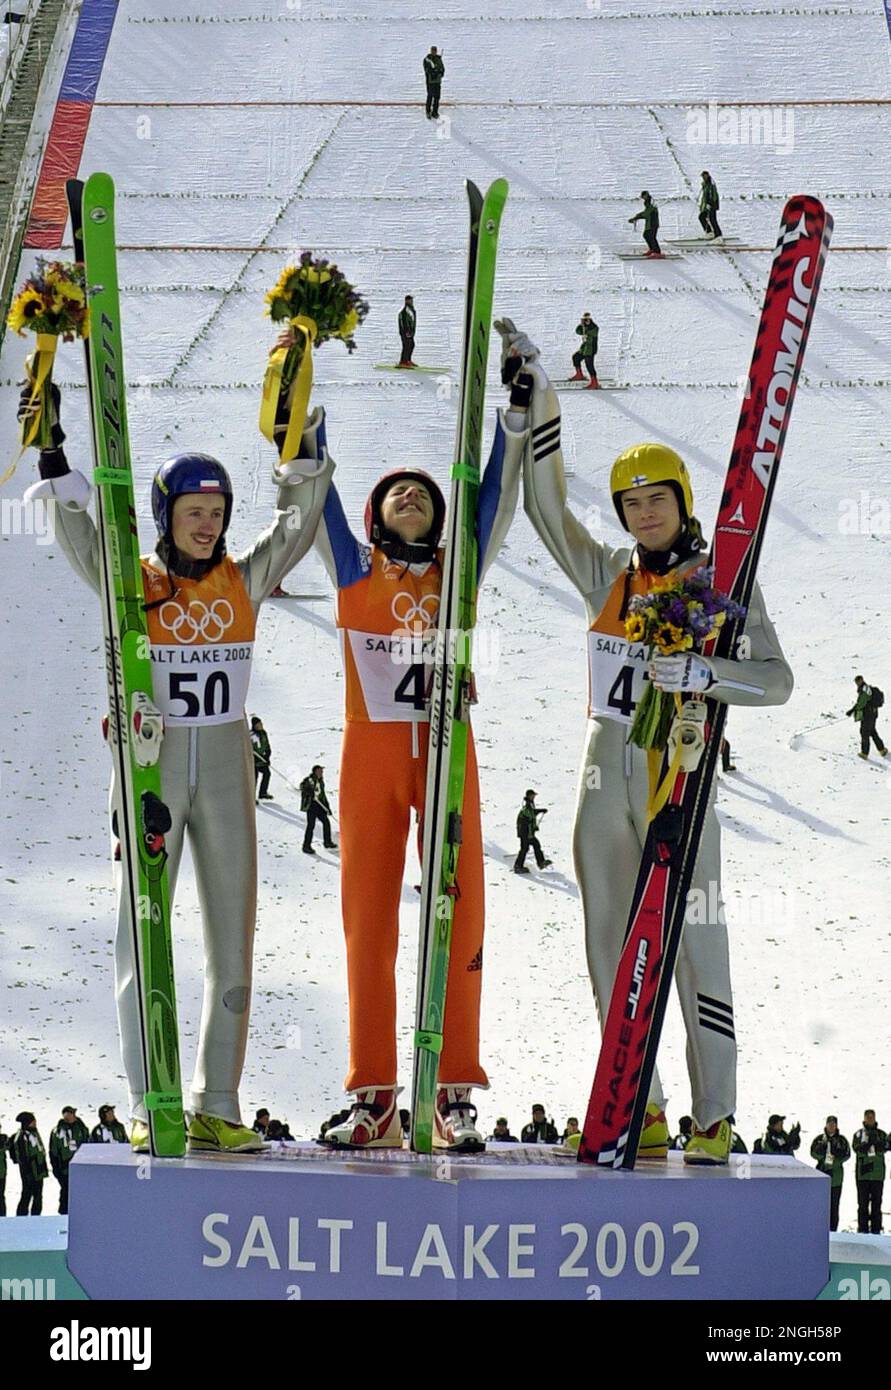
(412,689)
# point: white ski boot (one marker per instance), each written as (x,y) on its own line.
(373,1122)
(455,1121)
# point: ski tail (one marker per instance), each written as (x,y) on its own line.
(632,1028)
(449,728)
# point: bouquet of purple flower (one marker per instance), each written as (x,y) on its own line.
(680,613)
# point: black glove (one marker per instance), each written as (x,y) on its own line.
(24,410)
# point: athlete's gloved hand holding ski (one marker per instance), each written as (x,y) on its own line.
(679,674)
(58,481)
(519,354)
(27,407)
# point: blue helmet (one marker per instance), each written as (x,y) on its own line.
(188,473)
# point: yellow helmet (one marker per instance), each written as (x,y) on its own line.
(643,465)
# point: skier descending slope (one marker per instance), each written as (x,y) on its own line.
(653,497)
(201,607)
(388,594)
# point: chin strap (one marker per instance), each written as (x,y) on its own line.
(178,564)
(409,552)
(689,543)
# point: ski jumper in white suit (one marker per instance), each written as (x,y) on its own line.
(611,820)
(207,770)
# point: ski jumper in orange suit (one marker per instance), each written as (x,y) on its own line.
(384,609)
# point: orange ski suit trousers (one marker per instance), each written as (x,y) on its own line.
(381,782)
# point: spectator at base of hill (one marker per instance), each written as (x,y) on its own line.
(540,1130)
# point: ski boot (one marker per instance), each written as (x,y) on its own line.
(654,1135)
(710,1145)
(455,1121)
(593,384)
(521,869)
(210,1133)
(577,376)
(373,1121)
(139,1137)
(865,756)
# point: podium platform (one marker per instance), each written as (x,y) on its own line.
(518,1222)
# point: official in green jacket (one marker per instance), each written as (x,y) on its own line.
(832,1151)
(262,751)
(434,71)
(708,206)
(650,214)
(4,1150)
(26,1147)
(407,324)
(527,829)
(870,1144)
(865,711)
(65,1140)
(109,1129)
(589,334)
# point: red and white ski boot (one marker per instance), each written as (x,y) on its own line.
(373,1122)
(593,384)
(455,1121)
(577,376)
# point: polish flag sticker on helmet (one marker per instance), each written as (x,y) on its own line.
(213,483)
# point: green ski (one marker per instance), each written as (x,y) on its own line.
(134,723)
(452,691)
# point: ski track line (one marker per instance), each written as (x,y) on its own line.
(201,195)
(283,210)
(805,382)
(651,111)
(791,11)
(685,105)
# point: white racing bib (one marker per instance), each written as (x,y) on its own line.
(617,670)
(201,685)
(394,673)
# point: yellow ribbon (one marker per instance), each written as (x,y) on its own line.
(658,795)
(300,390)
(38,366)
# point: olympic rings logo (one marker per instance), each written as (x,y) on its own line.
(197,621)
(415,616)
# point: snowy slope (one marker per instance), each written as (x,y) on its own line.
(375,186)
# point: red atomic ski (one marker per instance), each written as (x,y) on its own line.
(633,1024)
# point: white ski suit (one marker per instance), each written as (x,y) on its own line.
(611,822)
(207,783)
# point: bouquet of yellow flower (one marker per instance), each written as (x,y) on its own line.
(679,614)
(52,304)
(318,304)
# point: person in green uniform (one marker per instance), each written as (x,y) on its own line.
(527,829)
(832,1151)
(26,1148)
(869,1144)
(589,334)
(109,1129)
(407,322)
(434,71)
(4,1150)
(708,206)
(865,712)
(262,751)
(65,1140)
(650,214)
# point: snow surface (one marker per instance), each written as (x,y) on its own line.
(806,826)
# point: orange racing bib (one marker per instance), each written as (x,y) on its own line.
(202,645)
